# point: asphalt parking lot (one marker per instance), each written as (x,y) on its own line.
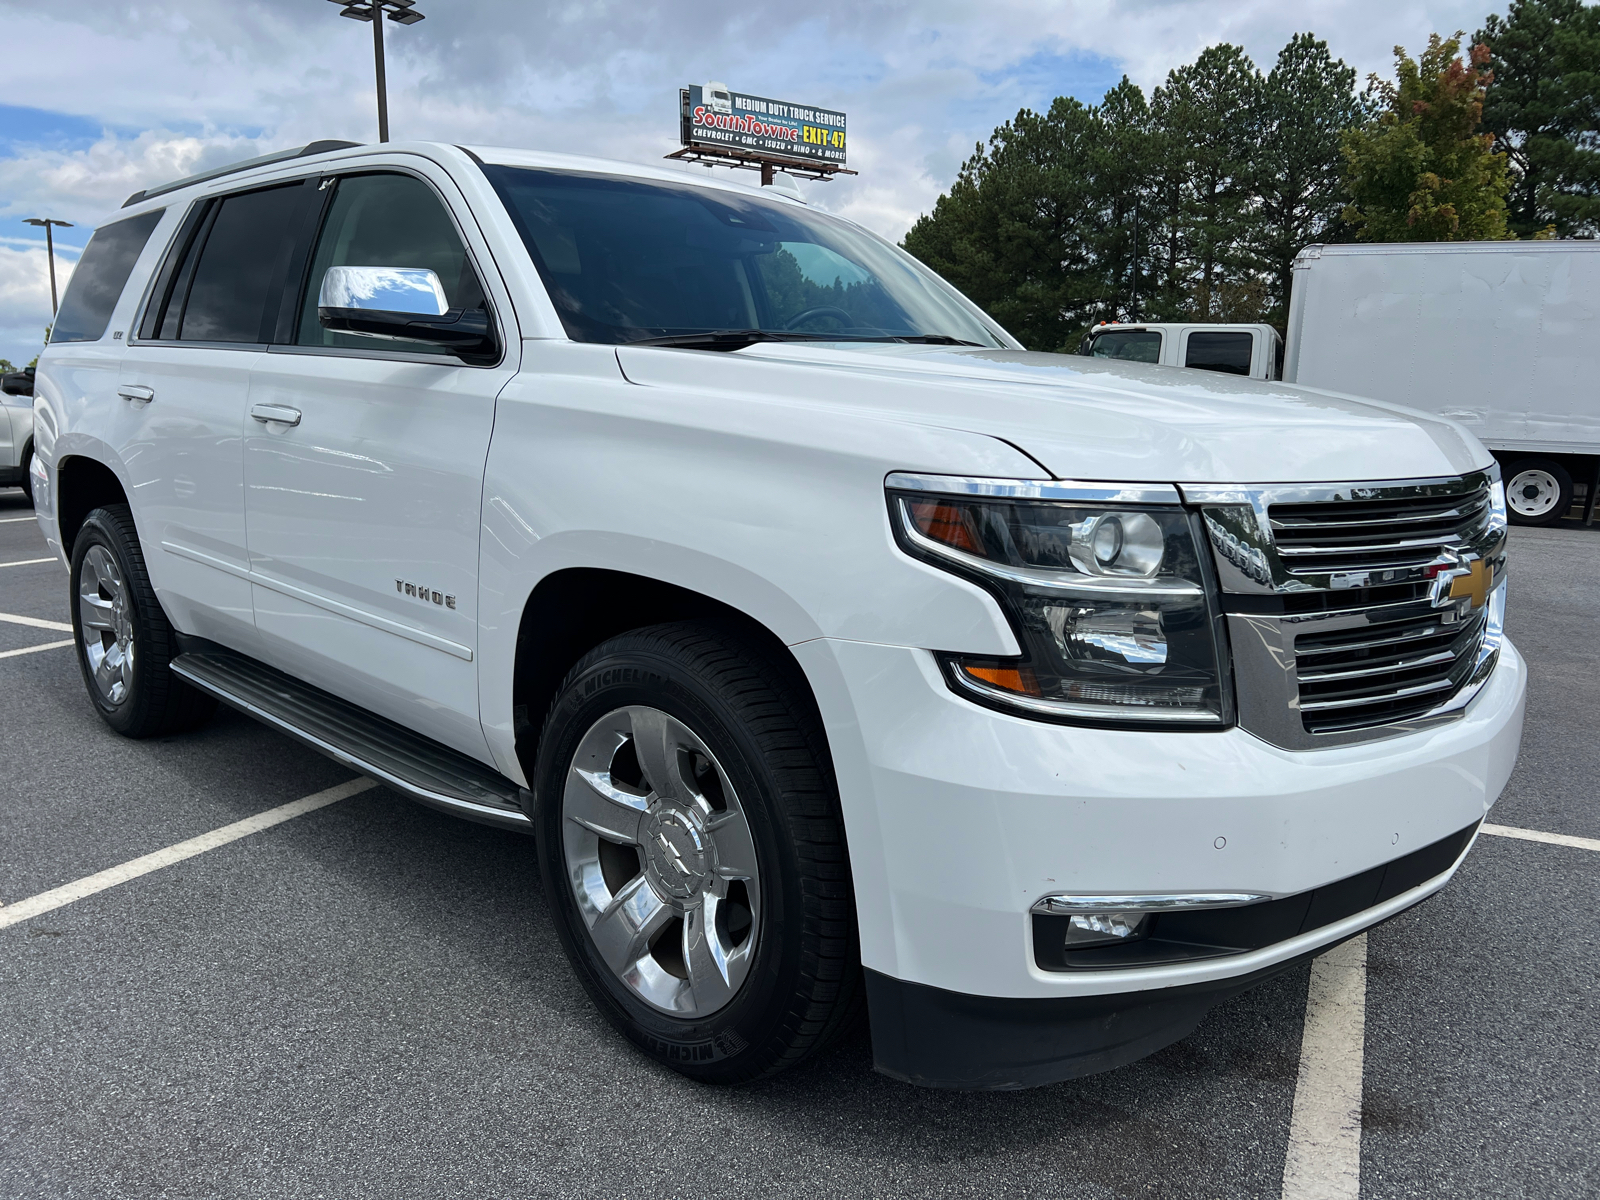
(369,1000)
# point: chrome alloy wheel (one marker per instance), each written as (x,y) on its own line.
(662,862)
(104,612)
(1533,492)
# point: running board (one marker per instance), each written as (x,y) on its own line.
(417,766)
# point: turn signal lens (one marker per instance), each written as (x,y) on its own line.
(946,523)
(1012,679)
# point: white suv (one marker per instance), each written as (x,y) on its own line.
(837,650)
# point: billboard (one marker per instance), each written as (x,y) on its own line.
(713,117)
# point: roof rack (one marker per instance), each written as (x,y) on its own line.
(321,147)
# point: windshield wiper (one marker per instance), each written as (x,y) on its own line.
(738,339)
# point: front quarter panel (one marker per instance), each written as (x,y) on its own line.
(769,506)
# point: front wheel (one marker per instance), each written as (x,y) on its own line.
(693,853)
(1538,491)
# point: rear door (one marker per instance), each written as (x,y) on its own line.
(184,384)
(363,482)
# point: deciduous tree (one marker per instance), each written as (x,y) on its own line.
(1424,172)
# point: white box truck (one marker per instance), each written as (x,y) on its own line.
(1503,337)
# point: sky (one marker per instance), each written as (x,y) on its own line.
(100,98)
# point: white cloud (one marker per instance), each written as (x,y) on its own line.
(185,84)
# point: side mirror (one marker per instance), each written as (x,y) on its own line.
(17,383)
(400,303)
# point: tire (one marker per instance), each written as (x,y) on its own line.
(724,988)
(27,472)
(1538,491)
(124,642)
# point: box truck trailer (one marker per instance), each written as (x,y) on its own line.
(1502,337)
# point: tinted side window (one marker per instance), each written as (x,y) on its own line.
(1228,352)
(387,221)
(100,276)
(238,276)
(1133,345)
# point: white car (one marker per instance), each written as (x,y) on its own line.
(837,650)
(16,430)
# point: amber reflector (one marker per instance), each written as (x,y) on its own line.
(1012,679)
(945,523)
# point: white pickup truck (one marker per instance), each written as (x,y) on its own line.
(1253,351)
(837,650)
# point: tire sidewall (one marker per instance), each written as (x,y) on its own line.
(614,679)
(98,530)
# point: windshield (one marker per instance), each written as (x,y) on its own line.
(627,260)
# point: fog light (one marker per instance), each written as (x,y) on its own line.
(1104,929)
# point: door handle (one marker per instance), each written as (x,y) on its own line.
(136,391)
(278,413)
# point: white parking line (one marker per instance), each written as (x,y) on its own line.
(27,562)
(14,520)
(35,649)
(35,622)
(1324,1158)
(55,898)
(1537,835)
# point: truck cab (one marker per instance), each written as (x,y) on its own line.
(1254,351)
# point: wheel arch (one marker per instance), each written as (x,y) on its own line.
(83,484)
(574,609)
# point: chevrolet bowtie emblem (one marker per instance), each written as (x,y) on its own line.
(1472,583)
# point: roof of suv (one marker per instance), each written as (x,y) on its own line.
(333,151)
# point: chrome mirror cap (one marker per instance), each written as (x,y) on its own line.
(412,290)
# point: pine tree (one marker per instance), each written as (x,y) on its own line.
(1305,104)
(1544,109)
(1423,172)
(1203,136)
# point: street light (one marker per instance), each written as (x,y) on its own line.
(401,12)
(50,251)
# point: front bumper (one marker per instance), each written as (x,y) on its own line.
(960,818)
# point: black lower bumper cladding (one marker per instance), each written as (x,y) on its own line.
(937,1038)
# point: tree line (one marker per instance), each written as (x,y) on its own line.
(1191,203)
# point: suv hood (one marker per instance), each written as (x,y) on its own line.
(1095,419)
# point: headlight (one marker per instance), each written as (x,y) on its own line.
(1110,604)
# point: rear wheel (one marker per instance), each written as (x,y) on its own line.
(125,644)
(27,472)
(1538,491)
(693,853)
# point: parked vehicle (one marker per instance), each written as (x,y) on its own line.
(1254,351)
(1503,337)
(835,648)
(16,429)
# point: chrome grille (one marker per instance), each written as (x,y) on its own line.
(1357,610)
(1374,536)
(1385,671)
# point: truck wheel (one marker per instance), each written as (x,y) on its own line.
(27,472)
(1538,491)
(124,641)
(693,853)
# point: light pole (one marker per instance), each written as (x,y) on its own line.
(50,251)
(401,12)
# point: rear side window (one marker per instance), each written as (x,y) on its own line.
(229,283)
(1226,352)
(1131,345)
(100,276)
